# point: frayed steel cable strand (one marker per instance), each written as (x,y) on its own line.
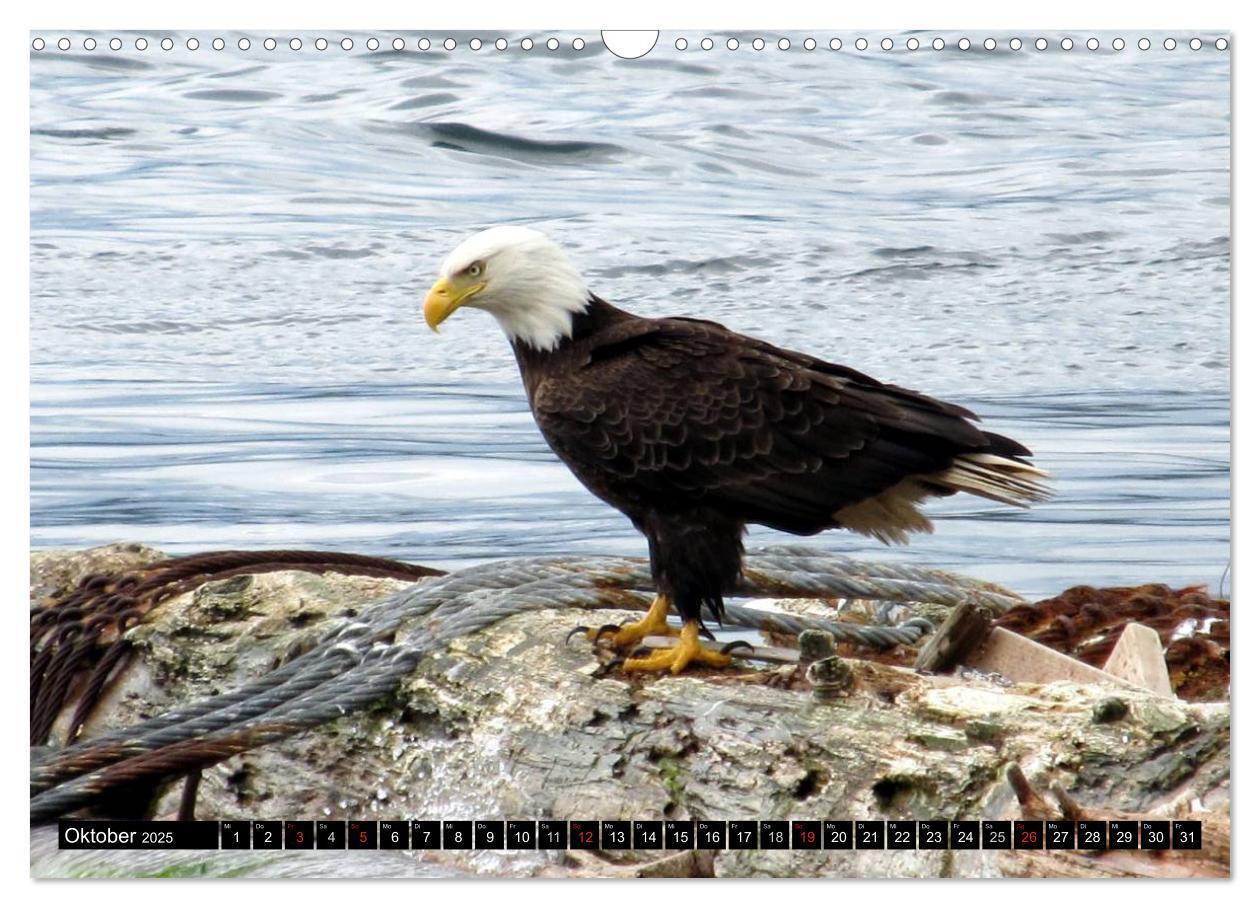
(56,684)
(904,634)
(775,575)
(816,561)
(58,665)
(813,560)
(68,639)
(115,659)
(61,656)
(75,607)
(171,569)
(779,573)
(270,680)
(53,666)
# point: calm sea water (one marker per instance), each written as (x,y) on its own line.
(230,248)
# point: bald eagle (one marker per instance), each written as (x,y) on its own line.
(694,431)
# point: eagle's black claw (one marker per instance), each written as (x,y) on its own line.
(605,629)
(736,644)
(641,651)
(580,629)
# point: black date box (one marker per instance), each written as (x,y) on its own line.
(742,834)
(837,835)
(299,835)
(614,835)
(584,835)
(1155,835)
(361,835)
(330,834)
(457,835)
(394,835)
(268,835)
(774,835)
(995,833)
(869,834)
(233,834)
(933,834)
(554,834)
(1060,834)
(964,835)
(711,834)
(1091,835)
(522,834)
(806,834)
(901,835)
(1187,834)
(680,835)
(648,835)
(488,834)
(426,835)
(1122,834)
(1030,834)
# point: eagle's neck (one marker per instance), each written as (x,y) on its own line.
(597,316)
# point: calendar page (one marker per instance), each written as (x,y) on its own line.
(578,454)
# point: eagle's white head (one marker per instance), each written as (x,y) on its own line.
(517,275)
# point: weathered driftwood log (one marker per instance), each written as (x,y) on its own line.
(511,723)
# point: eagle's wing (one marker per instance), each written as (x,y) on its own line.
(676,410)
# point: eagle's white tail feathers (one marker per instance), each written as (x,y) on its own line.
(995,477)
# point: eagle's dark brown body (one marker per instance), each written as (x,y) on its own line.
(693,432)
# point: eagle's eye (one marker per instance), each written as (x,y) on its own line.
(473,270)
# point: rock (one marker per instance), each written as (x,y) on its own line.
(510,723)
(54,572)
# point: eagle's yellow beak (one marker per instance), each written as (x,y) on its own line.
(445,296)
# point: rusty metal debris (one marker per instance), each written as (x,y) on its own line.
(1085,622)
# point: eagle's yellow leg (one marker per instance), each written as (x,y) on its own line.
(676,658)
(652,625)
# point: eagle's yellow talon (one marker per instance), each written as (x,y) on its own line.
(652,625)
(677,658)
